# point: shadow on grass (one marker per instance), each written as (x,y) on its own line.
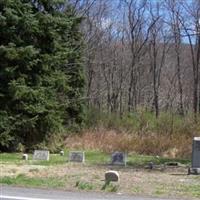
(140,161)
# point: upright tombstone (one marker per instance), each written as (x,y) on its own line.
(25,156)
(41,155)
(77,156)
(118,158)
(62,153)
(195,169)
(111,176)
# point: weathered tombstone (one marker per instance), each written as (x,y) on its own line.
(77,156)
(25,156)
(62,153)
(41,155)
(111,176)
(118,158)
(195,169)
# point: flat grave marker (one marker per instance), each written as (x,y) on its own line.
(77,156)
(118,158)
(41,155)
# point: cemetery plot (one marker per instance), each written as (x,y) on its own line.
(58,174)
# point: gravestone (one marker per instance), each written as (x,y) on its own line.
(77,156)
(111,176)
(195,169)
(41,155)
(62,153)
(118,158)
(25,156)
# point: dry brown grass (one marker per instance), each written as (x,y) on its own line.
(173,182)
(150,144)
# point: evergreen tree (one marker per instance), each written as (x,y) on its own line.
(41,76)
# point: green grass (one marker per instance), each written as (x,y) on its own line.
(92,158)
(166,123)
(81,185)
(16,158)
(161,190)
(110,187)
(137,190)
(81,181)
(190,189)
(10,158)
(22,180)
(55,159)
(142,160)
(96,157)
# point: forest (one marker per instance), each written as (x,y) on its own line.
(125,66)
(142,53)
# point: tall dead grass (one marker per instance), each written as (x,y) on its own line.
(151,144)
(169,135)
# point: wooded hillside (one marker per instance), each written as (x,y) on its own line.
(119,58)
(142,53)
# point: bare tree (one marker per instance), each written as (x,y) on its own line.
(136,54)
(174,11)
(157,51)
(193,33)
(138,35)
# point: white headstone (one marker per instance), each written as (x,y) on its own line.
(25,156)
(62,153)
(111,176)
(77,156)
(118,158)
(41,155)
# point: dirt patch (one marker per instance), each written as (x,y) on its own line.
(14,170)
(172,182)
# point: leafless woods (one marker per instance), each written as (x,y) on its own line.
(142,54)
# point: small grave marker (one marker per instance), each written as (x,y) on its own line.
(41,155)
(111,176)
(118,158)
(195,169)
(62,153)
(77,156)
(25,156)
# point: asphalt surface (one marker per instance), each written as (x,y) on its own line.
(18,193)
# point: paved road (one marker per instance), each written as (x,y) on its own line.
(17,193)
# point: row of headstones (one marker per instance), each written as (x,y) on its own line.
(117,158)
